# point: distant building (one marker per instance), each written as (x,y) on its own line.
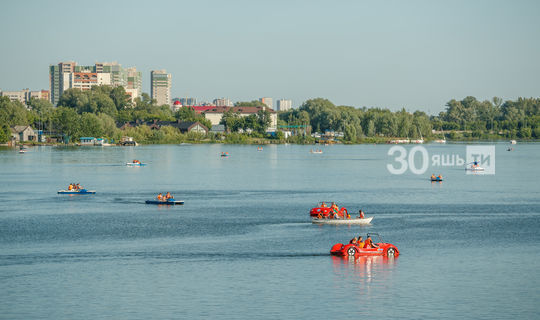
(216,113)
(176,105)
(133,83)
(187,101)
(268,102)
(24,96)
(23,133)
(223,102)
(86,80)
(284,105)
(67,75)
(183,126)
(160,88)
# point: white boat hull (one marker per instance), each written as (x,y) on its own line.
(343,221)
(475,169)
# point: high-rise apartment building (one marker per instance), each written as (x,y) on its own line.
(67,75)
(268,102)
(133,82)
(188,101)
(283,104)
(160,88)
(223,102)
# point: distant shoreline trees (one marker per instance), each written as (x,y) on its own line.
(99,111)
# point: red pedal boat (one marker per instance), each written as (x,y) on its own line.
(382,249)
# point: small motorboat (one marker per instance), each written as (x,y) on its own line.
(166,202)
(475,168)
(81,191)
(135,164)
(224,154)
(356,221)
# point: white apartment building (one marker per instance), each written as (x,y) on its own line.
(68,75)
(24,96)
(284,105)
(160,88)
(223,102)
(269,102)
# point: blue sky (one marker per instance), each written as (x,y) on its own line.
(388,54)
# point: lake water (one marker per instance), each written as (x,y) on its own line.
(243,246)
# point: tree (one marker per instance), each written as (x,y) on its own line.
(91,125)
(5,133)
(12,113)
(66,120)
(263,120)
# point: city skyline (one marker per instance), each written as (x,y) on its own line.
(416,55)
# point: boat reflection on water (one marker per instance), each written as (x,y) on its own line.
(366,269)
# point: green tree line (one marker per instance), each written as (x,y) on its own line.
(98,111)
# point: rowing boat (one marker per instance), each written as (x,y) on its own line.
(168,202)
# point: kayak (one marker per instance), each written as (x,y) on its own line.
(435,180)
(82,191)
(131,164)
(168,202)
(343,221)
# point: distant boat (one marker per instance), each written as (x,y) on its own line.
(357,221)
(81,191)
(513,141)
(399,141)
(440,141)
(133,164)
(166,202)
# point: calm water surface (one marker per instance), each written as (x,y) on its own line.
(243,247)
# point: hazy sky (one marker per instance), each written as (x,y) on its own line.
(388,54)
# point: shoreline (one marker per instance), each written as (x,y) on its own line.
(274,142)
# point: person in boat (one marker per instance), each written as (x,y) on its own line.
(348,216)
(323,205)
(168,196)
(360,214)
(335,208)
(360,242)
(439,177)
(369,243)
(70,187)
(353,241)
(433,176)
(78,187)
(160,197)
(319,216)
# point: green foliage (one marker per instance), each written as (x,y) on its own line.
(90,125)
(13,113)
(5,133)
(188,114)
